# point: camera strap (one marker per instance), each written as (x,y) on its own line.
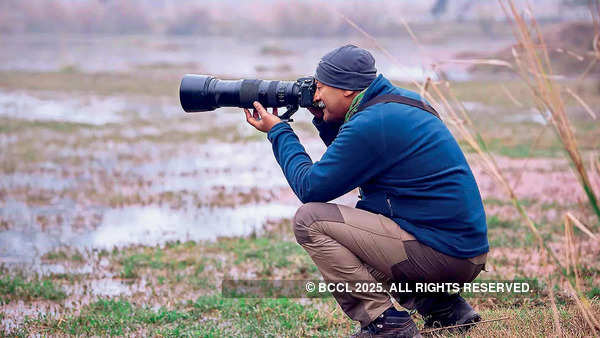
(399,99)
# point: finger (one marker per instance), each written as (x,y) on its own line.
(255,114)
(275,111)
(261,110)
(250,119)
(248,115)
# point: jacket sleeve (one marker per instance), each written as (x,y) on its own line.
(350,161)
(327,131)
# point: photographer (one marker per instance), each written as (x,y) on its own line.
(420,216)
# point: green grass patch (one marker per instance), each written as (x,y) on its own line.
(110,317)
(13,287)
(62,255)
(173,258)
(496,202)
(269,253)
(11,125)
(525,150)
(133,262)
(495,222)
(260,317)
(97,83)
(594,292)
(208,316)
(514,148)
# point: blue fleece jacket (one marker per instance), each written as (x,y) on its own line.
(407,164)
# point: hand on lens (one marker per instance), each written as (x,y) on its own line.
(260,118)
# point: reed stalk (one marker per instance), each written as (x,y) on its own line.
(533,65)
(555,316)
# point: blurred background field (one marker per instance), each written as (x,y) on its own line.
(121,214)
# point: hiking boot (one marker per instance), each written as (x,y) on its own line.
(391,323)
(449,310)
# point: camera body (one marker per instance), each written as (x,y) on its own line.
(308,87)
(199,93)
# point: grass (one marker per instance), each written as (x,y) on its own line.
(522,150)
(262,317)
(188,264)
(64,255)
(11,125)
(212,315)
(503,238)
(109,317)
(136,261)
(156,259)
(528,321)
(98,83)
(197,267)
(494,222)
(18,287)
(207,316)
(593,293)
(491,94)
(267,253)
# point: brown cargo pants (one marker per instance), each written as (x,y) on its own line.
(353,245)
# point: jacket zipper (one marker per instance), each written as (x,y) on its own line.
(390,206)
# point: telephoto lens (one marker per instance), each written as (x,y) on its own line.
(204,93)
(199,93)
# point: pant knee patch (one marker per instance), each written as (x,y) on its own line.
(310,213)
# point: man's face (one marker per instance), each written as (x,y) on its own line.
(337,101)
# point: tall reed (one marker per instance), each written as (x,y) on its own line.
(533,65)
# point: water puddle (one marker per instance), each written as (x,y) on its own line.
(158,225)
(40,180)
(109,287)
(534,117)
(88,109)
(119,227)
(95,110)
(217,164)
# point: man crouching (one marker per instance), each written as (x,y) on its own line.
(420,217)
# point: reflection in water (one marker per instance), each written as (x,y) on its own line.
(88,109)
(145,225)
(158,225)
(95,110)
(109,287)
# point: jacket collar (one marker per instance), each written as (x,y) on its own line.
(379,86)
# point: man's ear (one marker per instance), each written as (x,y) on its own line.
(348,93)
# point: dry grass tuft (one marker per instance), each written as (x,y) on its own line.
(533,66)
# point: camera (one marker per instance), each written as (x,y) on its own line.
(199,93)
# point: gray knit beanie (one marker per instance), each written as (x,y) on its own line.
(347,67)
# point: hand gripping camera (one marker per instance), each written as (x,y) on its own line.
(199,93)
